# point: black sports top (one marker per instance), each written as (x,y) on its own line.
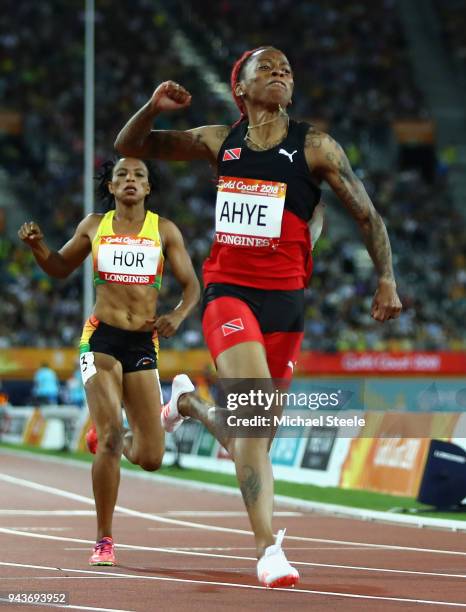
(264,201)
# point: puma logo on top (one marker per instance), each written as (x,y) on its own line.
(290,155)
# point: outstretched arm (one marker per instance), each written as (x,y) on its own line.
(329,162)
(62,263)
(138,139)
(183,271)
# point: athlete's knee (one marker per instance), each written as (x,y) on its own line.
(150,461)
(110,440)
(151,464)
(185,403)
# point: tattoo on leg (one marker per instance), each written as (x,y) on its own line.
(250,485)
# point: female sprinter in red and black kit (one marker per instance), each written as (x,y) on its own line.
(118,348)
(269,170)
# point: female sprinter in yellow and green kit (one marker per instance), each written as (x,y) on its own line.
(119,343)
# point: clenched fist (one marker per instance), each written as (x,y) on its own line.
(167,325)
(386,303)
(30,233)
(170,96)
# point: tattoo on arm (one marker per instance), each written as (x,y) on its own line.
(173,145)
(222,133)
(198,143)
(250,485)
(349,188)
(378,245)
(314,138)
(354,197)
(163,142)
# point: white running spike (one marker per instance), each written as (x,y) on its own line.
(170,417)
(279,538)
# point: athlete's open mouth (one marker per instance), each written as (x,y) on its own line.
(130,189)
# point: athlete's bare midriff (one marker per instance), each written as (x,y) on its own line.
(125,306)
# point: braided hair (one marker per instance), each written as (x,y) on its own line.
(104,176)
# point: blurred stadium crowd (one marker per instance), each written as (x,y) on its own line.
(453,25)
(352,76)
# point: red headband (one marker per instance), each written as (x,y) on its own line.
(234,78)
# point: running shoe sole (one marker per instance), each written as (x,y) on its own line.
(110,563)
(284,581)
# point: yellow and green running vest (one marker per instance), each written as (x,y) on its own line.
(128,259)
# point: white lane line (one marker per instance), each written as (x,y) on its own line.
(203,513)
(63,606)
(242,586)
(226,548)
(194,553)
(220,513)
(24,512)
(337,511)
(15,579)
(170,529)
(321,548)
(154,517)
(21,528)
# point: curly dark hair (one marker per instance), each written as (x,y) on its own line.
(104,175)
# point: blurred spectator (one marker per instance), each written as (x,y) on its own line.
(447,159)
(46,385)
(452,15)
(74,393)
(351,58)
(3,397)
(354,76)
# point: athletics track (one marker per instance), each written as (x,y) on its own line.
(180,548)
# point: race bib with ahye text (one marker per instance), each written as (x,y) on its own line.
(249,212)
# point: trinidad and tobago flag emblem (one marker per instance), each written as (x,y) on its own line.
(232,326)
(230,154)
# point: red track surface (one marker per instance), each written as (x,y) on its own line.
(337,567)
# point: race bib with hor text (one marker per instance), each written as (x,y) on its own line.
(128,260)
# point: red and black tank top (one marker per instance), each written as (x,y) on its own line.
(265,200)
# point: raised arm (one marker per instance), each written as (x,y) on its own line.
(62,263)
(138,139)
(182,269)
(328,161)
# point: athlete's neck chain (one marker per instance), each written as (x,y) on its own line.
(281,113)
